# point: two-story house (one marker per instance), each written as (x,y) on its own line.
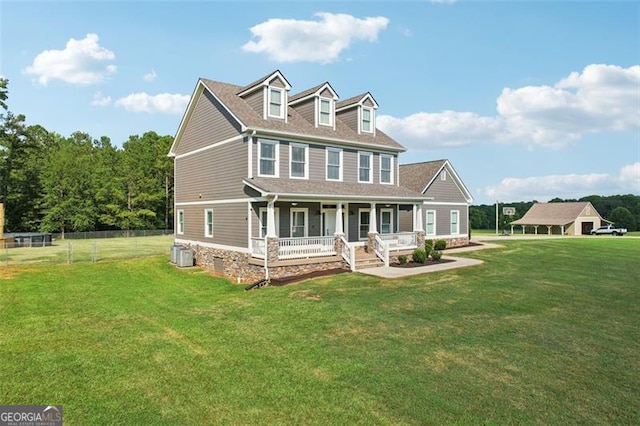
(269,183)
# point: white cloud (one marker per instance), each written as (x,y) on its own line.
(544,188)
(291,40)
(150,76)
(100,100)
(80,62)
(630,178)
(446,129)
(601,98)
(170,103)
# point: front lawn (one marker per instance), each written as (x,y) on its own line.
(543,332)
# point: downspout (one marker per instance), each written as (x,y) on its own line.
(266,245)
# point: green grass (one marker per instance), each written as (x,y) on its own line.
(63,251)
(543,332)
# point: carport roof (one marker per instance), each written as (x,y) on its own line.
(554,213)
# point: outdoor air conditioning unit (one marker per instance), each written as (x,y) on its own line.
(174,252)
(185,258)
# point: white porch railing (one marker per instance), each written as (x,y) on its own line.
(382,250)
(258,248)
(400,240)
(349,254)
(302,247)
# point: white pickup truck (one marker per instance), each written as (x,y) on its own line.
(609,230)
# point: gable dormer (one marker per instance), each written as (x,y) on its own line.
(317,105)
(268,96)
(359,113)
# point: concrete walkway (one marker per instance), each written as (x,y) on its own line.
(458,262)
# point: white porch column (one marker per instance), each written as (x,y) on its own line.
(511,229)
(271,219)
(536,229)
(373,226)
(339,224)
(418,224)
(523,228)
(548,229)
(562,229)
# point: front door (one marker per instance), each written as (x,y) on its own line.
(328,222)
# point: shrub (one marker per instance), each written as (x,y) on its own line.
(428,245)
(419,255)
(440,245)
(402,259)
(436,255)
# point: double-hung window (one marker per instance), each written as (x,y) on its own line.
(299,161)
(365,160)
(276,108)
(334,164)
(431,222)
(366,122)
(180,224)
(455,222)
(268,158)
(326,116)
(208,223)
(299,219)
(386,169)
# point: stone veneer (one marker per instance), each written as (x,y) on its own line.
(241,267)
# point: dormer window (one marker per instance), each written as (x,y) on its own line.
(366,123)
(276,108)
(326,113)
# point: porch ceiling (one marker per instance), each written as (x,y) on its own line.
(304,189)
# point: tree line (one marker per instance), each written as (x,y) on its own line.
(622,210)
(52,183)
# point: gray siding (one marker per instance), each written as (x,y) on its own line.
(256,101)
(445,191)
(350,167)
(405,218)
(277,82)
(349,117)
(317,162)
(227,228)
(307,109)
(326,93)
(368,103)
(209,123)
(208,176)
(443,219)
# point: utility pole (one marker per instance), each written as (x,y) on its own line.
(497,217)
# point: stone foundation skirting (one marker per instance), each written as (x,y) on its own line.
(242,268)
(457,242)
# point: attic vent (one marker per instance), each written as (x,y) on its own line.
(443,175)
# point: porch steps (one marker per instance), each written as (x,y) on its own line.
(367,260)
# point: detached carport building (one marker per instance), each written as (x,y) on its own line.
(573,218)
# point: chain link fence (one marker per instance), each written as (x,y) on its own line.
(86,248)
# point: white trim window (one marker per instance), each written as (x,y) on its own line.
(325,112)
(299,222)
(298,161)
(386,221)
(430,228)
(366,120)
(275,104)
(386,169)
(262,220)
(180,222)
(334,164)
(364,221)
(455,222)
(208,223)
(268,152)
(365,160)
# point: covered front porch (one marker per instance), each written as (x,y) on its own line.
(287,231)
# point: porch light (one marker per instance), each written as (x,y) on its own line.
(294,204)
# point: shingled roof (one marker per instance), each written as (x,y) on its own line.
(324,190)
(553,213)
(417,176)
(296,124)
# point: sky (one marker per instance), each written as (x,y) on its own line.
(529,100)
